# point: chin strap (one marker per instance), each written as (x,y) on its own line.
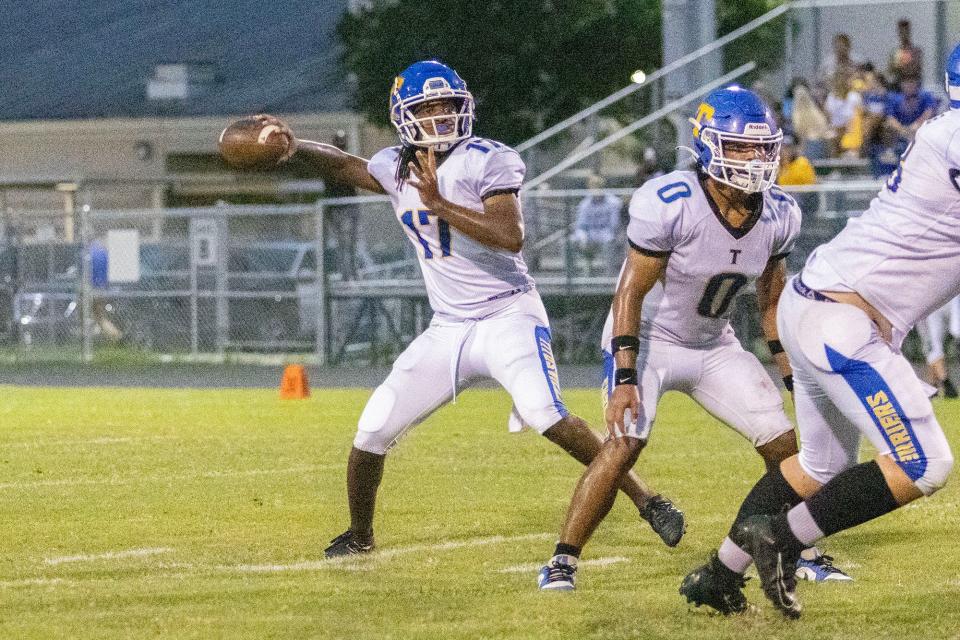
(692,153)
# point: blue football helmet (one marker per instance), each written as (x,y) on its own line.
(423,82)
(952,78)
(735,116)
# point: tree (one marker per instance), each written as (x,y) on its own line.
(529,64)
(764,45)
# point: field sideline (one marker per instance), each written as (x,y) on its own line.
(204,513)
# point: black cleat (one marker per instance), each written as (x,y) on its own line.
(665,519)
(776,563)
(348,544)
(949,391)
(716,586)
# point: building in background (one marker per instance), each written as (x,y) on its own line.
(135,95)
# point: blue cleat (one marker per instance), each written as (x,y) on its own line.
(559,574)
(818,567)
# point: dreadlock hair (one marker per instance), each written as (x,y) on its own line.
(408,154)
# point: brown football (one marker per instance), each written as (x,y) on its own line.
(252,143)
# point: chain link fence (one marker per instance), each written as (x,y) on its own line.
(226,282)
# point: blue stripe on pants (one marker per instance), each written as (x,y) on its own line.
(607,380)
(549,364)
(887,414)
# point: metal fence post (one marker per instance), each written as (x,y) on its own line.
(222,284)
(322,333)
(194,286)
(85,288)
(570,260)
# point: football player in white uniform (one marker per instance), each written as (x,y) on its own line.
(842,320)
(933,329)
(456,197)
(698,238)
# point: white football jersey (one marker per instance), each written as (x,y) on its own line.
(903,254)
(464,278)
(710,262)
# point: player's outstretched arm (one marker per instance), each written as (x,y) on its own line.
(499,225)
(640,273)
(769,287)
(334,164)
(329,161)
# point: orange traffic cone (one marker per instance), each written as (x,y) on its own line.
(294,385)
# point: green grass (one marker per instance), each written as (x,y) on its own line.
(204,482)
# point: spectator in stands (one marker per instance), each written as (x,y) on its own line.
(595,230)
(874,95)
(844,108)
(907,59)
(343,220)
(843,60)
(810,126)
(878,141)
(788,98)
(795,168)
(909,109)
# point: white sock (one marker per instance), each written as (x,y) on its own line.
(563,558)
(810,554)
(803,526)
(733,557)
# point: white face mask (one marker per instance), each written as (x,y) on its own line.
(438,130)
(953,91)
(752,175)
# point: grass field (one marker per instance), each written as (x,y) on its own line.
(131,513)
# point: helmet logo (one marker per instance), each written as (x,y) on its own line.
(704,112)
(397,83)
(757,128)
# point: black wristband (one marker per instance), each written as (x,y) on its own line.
(775,346)
(788,382)
(624,343)
(624,376)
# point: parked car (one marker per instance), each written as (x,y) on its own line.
(270,295)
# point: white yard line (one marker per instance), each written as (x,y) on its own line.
(594,562)
(356,563)
(109,555)
(120,480)
(33,582)
(105,440)
(364,562)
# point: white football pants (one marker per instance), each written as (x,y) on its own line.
(847,381)
(727,381)
(512,346)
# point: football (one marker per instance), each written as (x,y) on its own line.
(252,143)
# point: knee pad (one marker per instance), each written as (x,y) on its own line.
(936,460)
(935,477)
(374,432)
